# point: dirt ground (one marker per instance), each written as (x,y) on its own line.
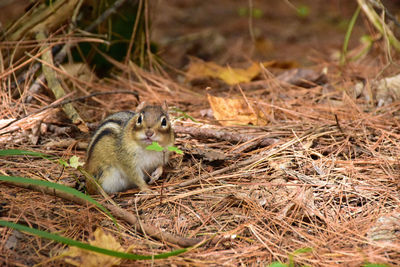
(308,176)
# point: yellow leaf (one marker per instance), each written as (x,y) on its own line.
(82,257)
(201,69)
(234,111)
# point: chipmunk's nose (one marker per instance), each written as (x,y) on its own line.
(149,133)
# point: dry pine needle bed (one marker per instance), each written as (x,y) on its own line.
(278,161)
(322,182)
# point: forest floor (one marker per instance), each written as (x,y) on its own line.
(300,163)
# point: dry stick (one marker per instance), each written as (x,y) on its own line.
(120,213)
(378,23)
(250,162)
(67,101)
(151,230)
(202,133)
(113,9)
(135,27)
(55,85)
(218,172)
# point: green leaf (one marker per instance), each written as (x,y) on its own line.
(60,187)
(257,13)
(63,163)
(155,146)
(74,162)
(175,149)
(348,34)
(303,11)
(302,250)
(245,12)
(184,114)
(277,264)
(86,246)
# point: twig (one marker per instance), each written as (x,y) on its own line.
(151,230)
(233,137)
(379,23)
(113,9)
(249,163)
(122,214)
(67,101)
(381,7)
(55,85)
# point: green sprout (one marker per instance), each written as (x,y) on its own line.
(155,146)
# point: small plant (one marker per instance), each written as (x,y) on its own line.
(155,146)
(291,257)
(256,13)
(184,114)
(303,11)
(75,163)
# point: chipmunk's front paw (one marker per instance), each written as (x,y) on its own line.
(156,175)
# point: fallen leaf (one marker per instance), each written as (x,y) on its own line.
(234,111)
(201,69)
(87,258)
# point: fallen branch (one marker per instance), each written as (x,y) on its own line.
(379,22)
(56,87)
(249,163)
(57,104)
(122,214)
(233,137)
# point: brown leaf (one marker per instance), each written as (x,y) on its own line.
(81,257)
(201,69)
(235,111)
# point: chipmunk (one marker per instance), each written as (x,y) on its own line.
(117,154)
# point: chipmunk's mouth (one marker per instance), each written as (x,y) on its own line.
(147,141)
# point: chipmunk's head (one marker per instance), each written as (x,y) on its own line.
(151,124)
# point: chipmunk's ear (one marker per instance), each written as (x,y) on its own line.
(141,106)
(165,106)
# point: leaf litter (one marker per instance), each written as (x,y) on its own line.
(329,181)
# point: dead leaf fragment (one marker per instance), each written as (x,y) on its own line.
(81,257)
(80,71)
(386,229)
(388,90)
(235,111)
(385,91)
(303,77)
(199,69)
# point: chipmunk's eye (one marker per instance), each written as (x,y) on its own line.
(164,122)
(140,119)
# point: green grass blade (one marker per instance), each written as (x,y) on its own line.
(18,152)
(60,187)
(375,265)
(184,114)
(81,245)
(348,34)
